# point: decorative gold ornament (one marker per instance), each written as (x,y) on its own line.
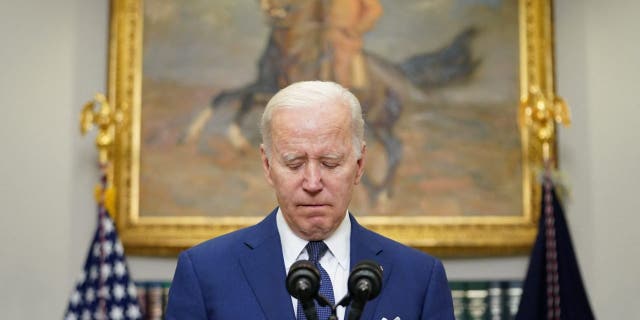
(106,196)
(99,113)
(539,114)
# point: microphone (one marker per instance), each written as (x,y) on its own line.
(365,283)
(303,283)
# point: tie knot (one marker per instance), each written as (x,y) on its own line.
(316,249)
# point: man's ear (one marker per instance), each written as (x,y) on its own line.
(266,166)
(360,162)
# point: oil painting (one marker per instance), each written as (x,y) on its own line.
(440,82)
(437,80)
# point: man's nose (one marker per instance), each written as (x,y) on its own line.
(312,182)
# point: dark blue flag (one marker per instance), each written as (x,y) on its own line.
(553,288)
(104,289)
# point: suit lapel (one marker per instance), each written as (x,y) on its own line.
(366,247)
(263,267)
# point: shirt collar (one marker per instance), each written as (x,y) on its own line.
(292,245)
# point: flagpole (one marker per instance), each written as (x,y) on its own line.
(104,290)
(551,261)
(101,217)
(99,113)
(538,115)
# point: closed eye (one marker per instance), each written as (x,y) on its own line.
(330,165)
(294,166)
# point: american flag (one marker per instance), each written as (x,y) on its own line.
(104,289)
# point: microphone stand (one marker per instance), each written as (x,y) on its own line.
(323,302)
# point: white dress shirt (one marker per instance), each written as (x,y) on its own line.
(335,261)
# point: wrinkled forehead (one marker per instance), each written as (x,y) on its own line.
(319,129)
(326,115)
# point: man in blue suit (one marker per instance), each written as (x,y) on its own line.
(313,154)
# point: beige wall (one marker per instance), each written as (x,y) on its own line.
(53,57)
(598,68)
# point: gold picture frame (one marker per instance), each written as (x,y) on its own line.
(440,235)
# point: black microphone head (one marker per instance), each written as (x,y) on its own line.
(365,280)
(303,280)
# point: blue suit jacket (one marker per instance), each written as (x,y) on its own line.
(241,275)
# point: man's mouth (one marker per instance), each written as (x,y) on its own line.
(312,205)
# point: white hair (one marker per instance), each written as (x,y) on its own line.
(308,94)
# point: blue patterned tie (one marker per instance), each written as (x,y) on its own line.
(316,249)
